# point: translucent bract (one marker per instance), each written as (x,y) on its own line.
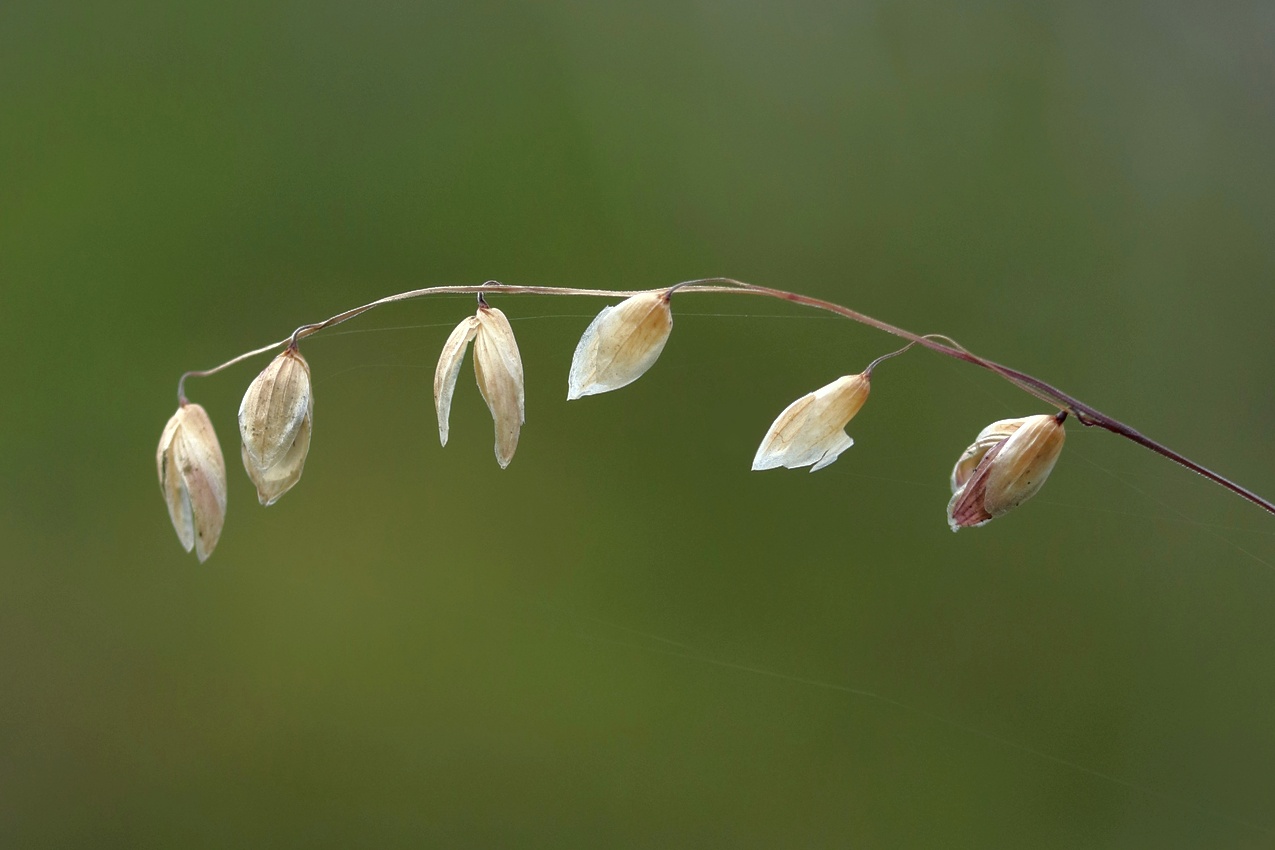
(621,343)
(498,370)
(811,431)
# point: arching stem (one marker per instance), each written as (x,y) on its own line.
(1084,413)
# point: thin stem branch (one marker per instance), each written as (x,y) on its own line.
(204,373)
(1084,413)
(867,373)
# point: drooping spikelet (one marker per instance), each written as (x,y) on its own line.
(811,431)
(275,420)
(1005,466)
(621,343)
(498,370)
(192,477)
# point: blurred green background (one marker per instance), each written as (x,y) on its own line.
(627,639)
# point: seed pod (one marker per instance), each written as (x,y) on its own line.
(1005,466)
(811,430)
(192,477)
(499,373)
(620,344)
(275,421)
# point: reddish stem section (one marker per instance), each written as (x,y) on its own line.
(1084,413)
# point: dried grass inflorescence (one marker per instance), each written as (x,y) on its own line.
(619,346)
(1006,465)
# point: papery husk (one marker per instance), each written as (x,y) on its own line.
(273,482)
(498,369)
(448,370)
(273,409)
(620,344)
(192,478)
(811,430)
(1009,471)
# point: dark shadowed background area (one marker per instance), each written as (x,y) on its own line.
(627,639)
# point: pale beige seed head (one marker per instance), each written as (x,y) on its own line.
(621,343)
(275,422)
(811,430)
(192,477)
(1011,461)
(498,370)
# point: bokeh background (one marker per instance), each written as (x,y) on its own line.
(627,639)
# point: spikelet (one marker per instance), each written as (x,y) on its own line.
(621,343)
(811,431)
(275,420)
(1005,466)
(498,370)
(192,477)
